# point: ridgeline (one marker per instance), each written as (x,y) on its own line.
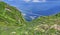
(12,22)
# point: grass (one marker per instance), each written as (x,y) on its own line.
(13,23)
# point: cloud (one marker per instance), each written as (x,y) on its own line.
(27,0)
(38,0)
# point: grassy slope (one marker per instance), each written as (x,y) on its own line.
(12,23)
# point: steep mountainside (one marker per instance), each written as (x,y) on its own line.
(13,23)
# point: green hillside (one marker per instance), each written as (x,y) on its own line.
(12,22)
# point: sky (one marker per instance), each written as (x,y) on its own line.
(34,8)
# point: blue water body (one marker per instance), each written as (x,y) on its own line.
(33,8)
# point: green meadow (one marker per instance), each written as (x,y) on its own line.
(12,22)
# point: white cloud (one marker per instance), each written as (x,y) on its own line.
(35,1)
(27,0)
(23,14)
(32,17)
(38,0)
